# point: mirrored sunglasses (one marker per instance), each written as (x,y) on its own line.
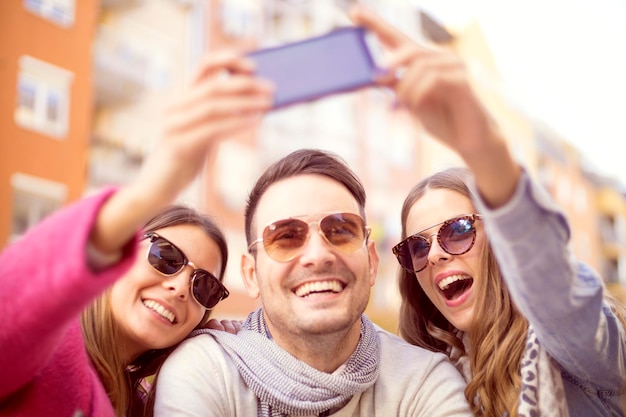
(284,240)
(455,236)
(169,260)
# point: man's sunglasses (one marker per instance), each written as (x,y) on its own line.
(284,240)
(455,236)
(167,259)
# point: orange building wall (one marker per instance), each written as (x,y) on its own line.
(62,160)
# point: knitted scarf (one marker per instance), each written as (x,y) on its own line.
(542,393)
(285,385)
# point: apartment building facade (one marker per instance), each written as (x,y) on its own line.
(119,62)
(46,108)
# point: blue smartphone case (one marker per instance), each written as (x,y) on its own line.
(338,61)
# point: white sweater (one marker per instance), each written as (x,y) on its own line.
(199,379)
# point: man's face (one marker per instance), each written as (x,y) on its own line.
(322,290)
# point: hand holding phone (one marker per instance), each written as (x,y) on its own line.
(338,61)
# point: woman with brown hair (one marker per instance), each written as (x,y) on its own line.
(62,356)
(488,277)
(551,355)
(128,337)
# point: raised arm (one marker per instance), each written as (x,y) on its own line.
(528,232)
(435,87)
(214,106)
(45,278)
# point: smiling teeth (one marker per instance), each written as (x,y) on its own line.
(153,305)
(444,283)
(318,286)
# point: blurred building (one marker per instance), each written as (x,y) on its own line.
(91,78)
(142,56)
(611,223)
(594,205)
(45,108)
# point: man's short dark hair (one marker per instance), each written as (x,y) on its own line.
(301,162)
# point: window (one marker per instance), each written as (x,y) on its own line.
(60,12)
(33,199)
(43,92)
(240,18)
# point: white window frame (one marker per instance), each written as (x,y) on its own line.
(47,82)
(42,197)
(61,12)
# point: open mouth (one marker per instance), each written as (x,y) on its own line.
(319,287)
(454,286)
(159,309)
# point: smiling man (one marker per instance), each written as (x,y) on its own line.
(309,350)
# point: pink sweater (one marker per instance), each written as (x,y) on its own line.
(44,285)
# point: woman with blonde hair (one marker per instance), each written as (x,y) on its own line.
(94,296)
(488,277)
(455,299)
(114,318)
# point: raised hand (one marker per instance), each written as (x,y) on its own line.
(223,99)
(230,326)
(435,86)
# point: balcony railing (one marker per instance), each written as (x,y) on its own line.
(119,3)
(120,68)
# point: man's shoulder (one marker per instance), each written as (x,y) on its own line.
(201,346)
(418,377)
(200,375)
(396,348)
(201,359)
(200,337)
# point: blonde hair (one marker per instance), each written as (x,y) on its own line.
(497,339)
(104,344)
(102,341)
(618,308)
(498,331)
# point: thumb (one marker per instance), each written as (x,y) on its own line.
(386,33)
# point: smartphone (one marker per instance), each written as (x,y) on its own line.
(339,61)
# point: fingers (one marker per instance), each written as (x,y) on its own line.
(430,77)
(233,326)
(396,64)
(213,108)
(223,127)
(223,61)
(209,103)
(215,97)
(230,326)
(214,324)
(216,87)
(386,33)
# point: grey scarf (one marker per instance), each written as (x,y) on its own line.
(285,385)
(542,393)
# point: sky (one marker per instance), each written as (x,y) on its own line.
(564,61)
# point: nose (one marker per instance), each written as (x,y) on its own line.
(178,284)
(316,250)
(436,254)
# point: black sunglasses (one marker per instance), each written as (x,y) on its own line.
(455,236)
(168,260)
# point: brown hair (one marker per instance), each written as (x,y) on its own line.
(123,381)
(301,162)
(498,332)
(619,309)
